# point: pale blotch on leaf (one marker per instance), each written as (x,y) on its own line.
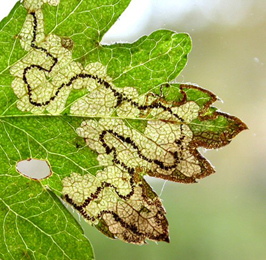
(45,85)
(118,206)
(118,199)
(41,77)
(33,5)
(163,147)
(34,169)
(26,34)
(163,143)
(45,77)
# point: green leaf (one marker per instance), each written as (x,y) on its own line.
(35,224)
(150,61)
(85,22)
(102,117)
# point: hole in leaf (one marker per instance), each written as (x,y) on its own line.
(34,169)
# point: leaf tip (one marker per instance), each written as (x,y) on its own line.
(166,239)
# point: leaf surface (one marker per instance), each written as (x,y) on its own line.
(102,117)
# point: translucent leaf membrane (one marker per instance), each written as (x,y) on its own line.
(102,117)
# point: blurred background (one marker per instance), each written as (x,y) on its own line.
(223,216)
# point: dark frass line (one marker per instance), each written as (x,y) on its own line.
(104,184)
(120,97)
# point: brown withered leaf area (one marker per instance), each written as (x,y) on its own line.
(156,133)
(118,201)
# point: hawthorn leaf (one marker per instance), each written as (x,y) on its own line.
(102,117)
(35,224)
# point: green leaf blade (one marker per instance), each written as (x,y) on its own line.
(25,229)
(10,28)
(83,21)
(150,61)
(102,117)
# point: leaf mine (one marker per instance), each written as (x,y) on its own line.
(126,133)
(112,200)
